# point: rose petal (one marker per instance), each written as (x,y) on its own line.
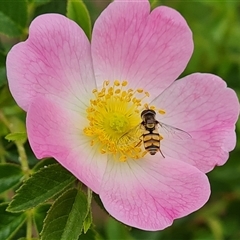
(56,131)
(203,106)
(152,192)
(148,50)
(55,60)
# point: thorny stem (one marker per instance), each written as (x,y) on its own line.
(19,145)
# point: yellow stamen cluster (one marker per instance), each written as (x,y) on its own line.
(114,116)
(113,112)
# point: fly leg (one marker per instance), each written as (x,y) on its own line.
(140,141)
(161,153)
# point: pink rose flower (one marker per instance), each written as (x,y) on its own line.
(84,104)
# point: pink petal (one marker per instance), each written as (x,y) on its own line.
(55,131)
(203,106)
(148,50)
(55,60)
(150,193)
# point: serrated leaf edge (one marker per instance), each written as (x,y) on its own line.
(53,206)
(16,194)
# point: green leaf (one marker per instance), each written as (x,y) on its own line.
(41,2)
(23,238)
(6,98)
(40,214)
(52,6)
(15,10)
(10,175)
(87,222)
(116,230)
(10,222)
(8,27)
(40,187)
(66,216)
(91,234)
(3,77)
(20,136)
(18,130)
(77,11)
(154,3)
(43,164)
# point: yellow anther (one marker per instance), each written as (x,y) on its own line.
(161,111)
(147,94)
(106,83)
(124,83)
(124,93)
(103,151)
(112,112)
(123,158)
(146,106)
(101,94)
(93,102)
(152,108)
(116,83)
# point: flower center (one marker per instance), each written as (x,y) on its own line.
(114,115)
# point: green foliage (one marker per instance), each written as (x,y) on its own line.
(77,11)
(3,77)
(41,2)
(116,230)
(49,200)
(5,96)
(13,20)
(10,222)
(10,175)
(66,216)
(8,26)
(39,215)
(40,187)
(20,136)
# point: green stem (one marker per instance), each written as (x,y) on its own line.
(29,225)
(21,150)
(23,158)
(25,168)
(89,196)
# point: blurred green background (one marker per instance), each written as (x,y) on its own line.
(216,30)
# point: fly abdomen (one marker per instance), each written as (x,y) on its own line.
(151,142)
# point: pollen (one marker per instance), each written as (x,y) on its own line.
(113,114)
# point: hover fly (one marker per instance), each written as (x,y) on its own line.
(148,133)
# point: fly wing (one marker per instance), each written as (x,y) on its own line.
(170,131)
(132,137)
